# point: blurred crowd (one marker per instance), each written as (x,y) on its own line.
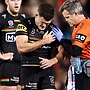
(30,7)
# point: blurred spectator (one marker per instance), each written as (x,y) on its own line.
(86,6)
(30,7)
(83,2)
(1,8)
(59,3)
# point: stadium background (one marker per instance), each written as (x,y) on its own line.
(30,7)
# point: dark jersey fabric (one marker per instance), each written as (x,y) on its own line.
(8,26)
(29,28)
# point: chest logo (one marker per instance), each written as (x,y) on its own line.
(10,22)
(33,31)
(10,37)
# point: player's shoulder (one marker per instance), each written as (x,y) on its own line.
(29,20)
(24,15)
(25,23)
(52,25)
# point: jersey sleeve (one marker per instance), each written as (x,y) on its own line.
(22,28)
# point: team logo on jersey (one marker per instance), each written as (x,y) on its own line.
(33,31)
(10,37)
(81,38)
(52,80)
(10,22)
(32,85)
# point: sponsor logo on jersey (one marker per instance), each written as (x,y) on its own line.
(15,79)
(32,85)
(4,16)
(21,27)
(80,37)
(16,20)
(10,37)
(46,47)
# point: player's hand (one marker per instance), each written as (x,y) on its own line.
(45,63)
(6,56)
(57,32)
(48,37)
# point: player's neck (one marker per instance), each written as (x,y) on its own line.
(11,13)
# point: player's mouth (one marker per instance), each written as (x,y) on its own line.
(41,26)
(16,7)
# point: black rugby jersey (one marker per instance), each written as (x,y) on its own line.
(29,28)
(8,24)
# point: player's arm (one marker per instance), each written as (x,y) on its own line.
(45,63)
(24,46)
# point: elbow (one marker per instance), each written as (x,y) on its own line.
(20,50)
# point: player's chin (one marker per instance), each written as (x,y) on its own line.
(16,10)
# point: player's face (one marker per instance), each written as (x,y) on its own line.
(70,18)
(14,5)
(41,22)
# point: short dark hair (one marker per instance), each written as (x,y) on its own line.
(46,11)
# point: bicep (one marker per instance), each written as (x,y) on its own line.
(20,41)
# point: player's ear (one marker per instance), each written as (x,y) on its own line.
(6,1)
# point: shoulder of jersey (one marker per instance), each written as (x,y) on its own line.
(24,15)
(23,25)
(30,20)
(51,24)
